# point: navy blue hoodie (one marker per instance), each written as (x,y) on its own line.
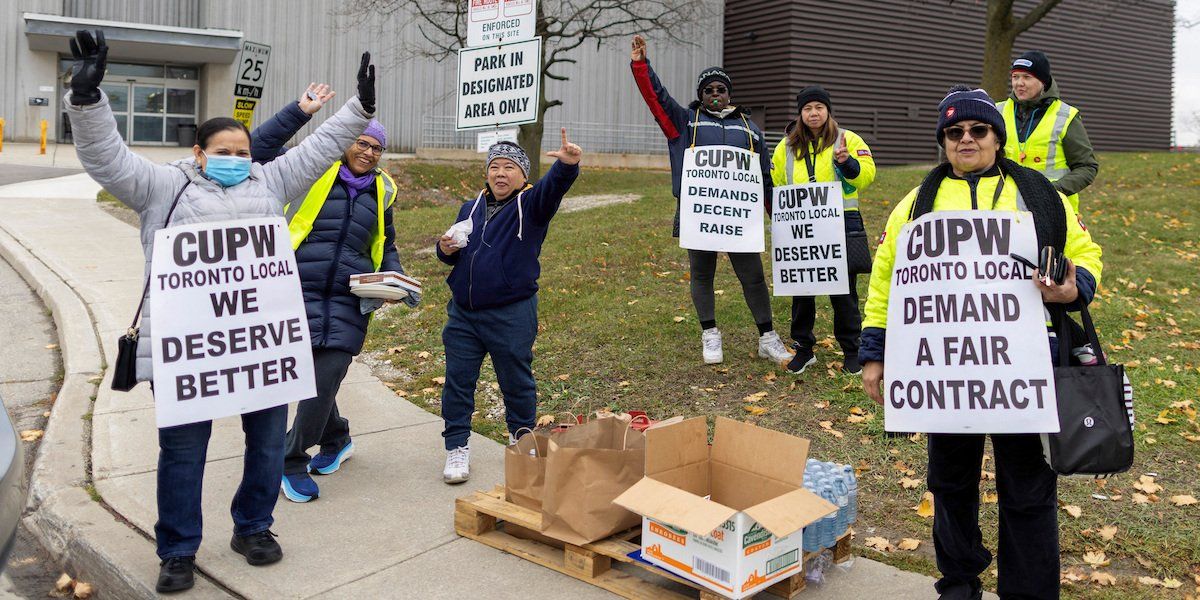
(500,264)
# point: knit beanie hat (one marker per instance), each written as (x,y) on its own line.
(510,151)
(813,93)
(1035,63)
(712,74)
(966,104)
(375,129)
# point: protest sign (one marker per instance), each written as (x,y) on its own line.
(492,22)
(499,85)
(230,332)
(967,347)
(721,200)
(808,241)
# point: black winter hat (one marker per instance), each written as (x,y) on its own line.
(966,104)
(813,93)
(1035,63)
(712,74)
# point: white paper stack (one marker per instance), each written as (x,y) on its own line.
(385,285)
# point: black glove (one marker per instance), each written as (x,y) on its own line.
(366,83)
(91,58)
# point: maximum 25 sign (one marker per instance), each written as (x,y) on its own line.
(251,70)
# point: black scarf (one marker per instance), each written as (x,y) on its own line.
(1049,217)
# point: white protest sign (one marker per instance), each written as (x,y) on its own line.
(721,200)
(499,85)
(808,241)
(485,139)
(230,332)
(494,21)
(967,348)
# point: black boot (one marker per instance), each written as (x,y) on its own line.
(802,360)
(176,574)
(258,548)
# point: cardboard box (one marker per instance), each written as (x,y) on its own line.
(728,517)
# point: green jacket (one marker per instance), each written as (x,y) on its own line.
(1081,158)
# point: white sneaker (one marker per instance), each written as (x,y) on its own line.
(773,348)
(711,339)
(458,465)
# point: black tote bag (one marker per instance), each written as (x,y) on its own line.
(1096,435)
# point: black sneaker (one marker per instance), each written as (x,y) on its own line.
(851,365)
(176,574)
(803,359)
(258,548)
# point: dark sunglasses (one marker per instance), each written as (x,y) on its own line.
(715,89)
(977,131)
(377,149)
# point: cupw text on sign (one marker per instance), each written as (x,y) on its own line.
(967,348)
(721,200)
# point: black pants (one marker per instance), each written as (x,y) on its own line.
(317,419)
(847,321)
(1027,557)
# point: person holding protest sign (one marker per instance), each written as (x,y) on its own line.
(337,230)
(494,248)
(977,176)
(816,149)
(711,120)
(218,183)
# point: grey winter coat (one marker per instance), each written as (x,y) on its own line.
(149,188)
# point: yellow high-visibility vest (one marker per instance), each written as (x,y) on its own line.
(1042,150)
(302,215)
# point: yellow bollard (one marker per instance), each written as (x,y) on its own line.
(1,135)
(43,148)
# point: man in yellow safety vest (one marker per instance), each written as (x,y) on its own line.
(1045,133)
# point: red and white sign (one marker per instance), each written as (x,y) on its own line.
(492,22)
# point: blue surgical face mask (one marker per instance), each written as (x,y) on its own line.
(227,170)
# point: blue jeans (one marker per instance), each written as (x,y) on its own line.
(507,334)
(181,454)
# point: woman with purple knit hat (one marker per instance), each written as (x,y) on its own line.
(341,227)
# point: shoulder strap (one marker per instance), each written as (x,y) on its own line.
(146,288)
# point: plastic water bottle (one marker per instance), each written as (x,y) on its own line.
(842,492)
(852,481)
(810,530)
(829,523)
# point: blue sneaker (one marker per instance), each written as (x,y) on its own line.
(299,487)
(325,463)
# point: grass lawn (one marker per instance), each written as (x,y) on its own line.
(617,330)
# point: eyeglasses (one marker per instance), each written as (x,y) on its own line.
(977,131)
(364,146)
(715,89)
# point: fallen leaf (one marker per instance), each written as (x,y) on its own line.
(1183,500)
(31,435)
(1071,576)
(1162,417)
(821,405)
(990,498)
(1102,578)
(826,425)
(910,484)
(562,377)
(1108,532)
(83,590)
(1150,581)
(1146,484)
(854,410)
(755,409)
(987,476)
(925,508)
(423,354)
(879,543)
(1172,584)
(855,419)
(755,397)
(1073,510)
(401,393)
(1140,498)
(1095,558)
(545,421)
(439,380)
(64,583)
(428,390)
(909,544)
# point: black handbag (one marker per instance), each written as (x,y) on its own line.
(858,253)
(1096,434)
(125,370)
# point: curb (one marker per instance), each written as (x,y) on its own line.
(80,532)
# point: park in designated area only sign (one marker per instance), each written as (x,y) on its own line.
(499,85)
(967,348)
(230,331)
(491,22)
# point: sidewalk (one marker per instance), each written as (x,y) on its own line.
(384,524)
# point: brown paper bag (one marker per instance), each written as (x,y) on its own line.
(525,470)
(586,468)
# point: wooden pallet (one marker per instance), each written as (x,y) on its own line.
(487,518)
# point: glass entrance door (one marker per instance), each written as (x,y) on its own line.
(149,102)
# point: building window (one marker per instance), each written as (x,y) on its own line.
(149,102)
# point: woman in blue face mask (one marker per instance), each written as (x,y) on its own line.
(217,183)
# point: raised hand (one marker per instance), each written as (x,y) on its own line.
(366,83)
(315,97)
(638,54)
(841,154)
(569,153)
(91,58)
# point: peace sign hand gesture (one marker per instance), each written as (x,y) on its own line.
(569,153)
(841,154)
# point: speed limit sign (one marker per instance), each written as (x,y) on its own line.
(251,70)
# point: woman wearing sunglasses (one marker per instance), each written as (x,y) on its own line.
(341,226)
(977,176)
(711,120)
(815,149)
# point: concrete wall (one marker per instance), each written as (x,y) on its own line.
(24,72)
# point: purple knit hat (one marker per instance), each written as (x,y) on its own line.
(375,129)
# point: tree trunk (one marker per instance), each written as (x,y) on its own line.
(997,48)
(530,136)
